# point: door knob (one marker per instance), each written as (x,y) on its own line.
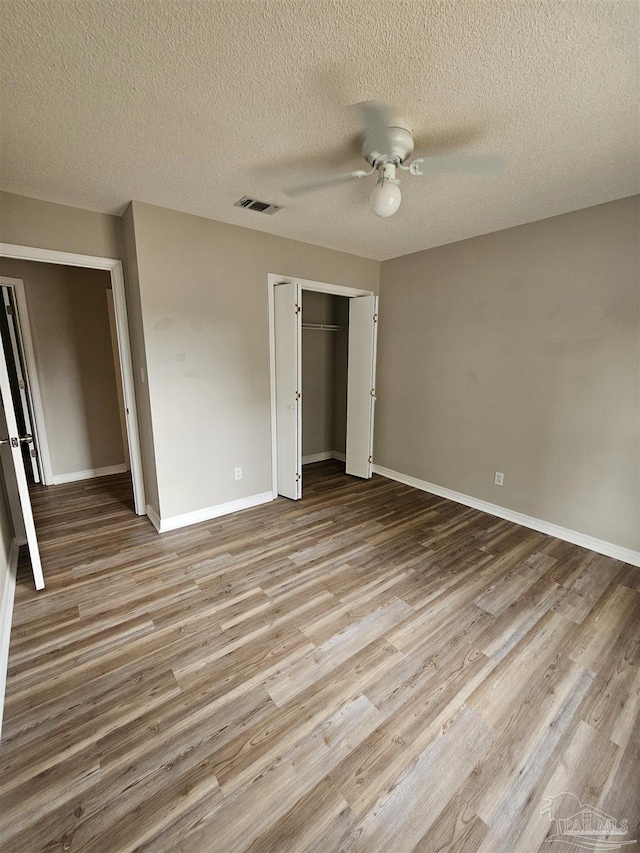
(26,439)
(4,441)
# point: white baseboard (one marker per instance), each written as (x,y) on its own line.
(162,525)
(6,613)
(609,549)
(317,457)
(58,479)
(323,456)
(154,518)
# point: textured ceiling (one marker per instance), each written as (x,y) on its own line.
(190,105)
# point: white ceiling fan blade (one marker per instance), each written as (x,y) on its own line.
(324,183)
(443,142)
(472,164)
(377,120)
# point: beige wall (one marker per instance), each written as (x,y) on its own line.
(72,342)
(203,288)
(41,224)
(518,352)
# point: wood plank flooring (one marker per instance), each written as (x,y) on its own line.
(370,669)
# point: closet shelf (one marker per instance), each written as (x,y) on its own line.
(323,327)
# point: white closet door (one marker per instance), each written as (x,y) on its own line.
(16,479)
(288,351)
(363,326)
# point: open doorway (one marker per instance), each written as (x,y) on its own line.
(66,383)
(337,374)
(68,405)
(325,359)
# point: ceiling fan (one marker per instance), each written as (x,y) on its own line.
(387,146)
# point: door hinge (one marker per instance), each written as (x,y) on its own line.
(373,392)
(297,477)
(297,309)
(298,395)
(375,318)
(9,310)
(370,459)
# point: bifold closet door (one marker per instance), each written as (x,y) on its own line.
(363,325)
(288,356)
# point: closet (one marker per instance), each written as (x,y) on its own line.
(325,343)
(323,356)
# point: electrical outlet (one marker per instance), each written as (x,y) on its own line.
(499,479)
(238,473)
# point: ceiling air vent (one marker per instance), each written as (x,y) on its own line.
(260,206)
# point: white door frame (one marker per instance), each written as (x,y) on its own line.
(114,267)
(305,284)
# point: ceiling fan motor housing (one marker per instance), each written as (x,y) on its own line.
(400,147)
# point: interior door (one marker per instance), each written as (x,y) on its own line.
(24,392)
(16,479)
(363,327)
(288,357)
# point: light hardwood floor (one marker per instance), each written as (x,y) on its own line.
(370,669)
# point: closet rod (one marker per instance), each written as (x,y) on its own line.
(324,327)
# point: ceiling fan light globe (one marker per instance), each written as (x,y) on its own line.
(385,198)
